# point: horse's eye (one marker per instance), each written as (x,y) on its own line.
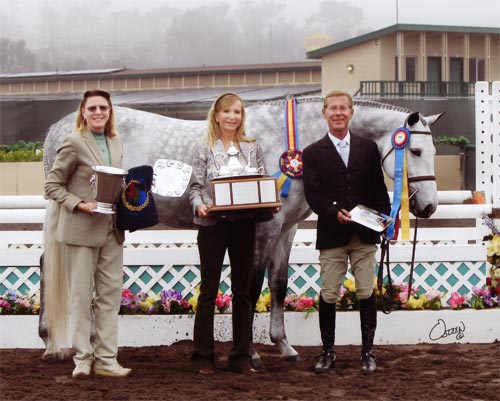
(416,152)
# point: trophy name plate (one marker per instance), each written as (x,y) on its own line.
(244,192)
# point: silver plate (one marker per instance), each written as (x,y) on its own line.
(171,177)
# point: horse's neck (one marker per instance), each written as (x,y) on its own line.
(377,123)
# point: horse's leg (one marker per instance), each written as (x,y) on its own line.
(263,245)
(43,332)
(278,283)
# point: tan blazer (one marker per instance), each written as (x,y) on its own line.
(68,183)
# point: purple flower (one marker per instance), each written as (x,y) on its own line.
(168,295)
(142,296)
(11,294)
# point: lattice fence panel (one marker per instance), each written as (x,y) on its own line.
(446,277)
(184,278)
(23,279)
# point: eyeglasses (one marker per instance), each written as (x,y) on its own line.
(342,109)
(93,109)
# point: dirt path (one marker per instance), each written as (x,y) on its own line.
(410,372)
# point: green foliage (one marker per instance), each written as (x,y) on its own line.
(21,151)
(451,140)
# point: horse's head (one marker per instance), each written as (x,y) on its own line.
(420,154)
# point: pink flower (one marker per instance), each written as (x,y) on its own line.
(222,302)
(456,300)
(4,305)
(304,303)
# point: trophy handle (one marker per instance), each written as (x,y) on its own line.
(93,184)
(218,155)
(249,160)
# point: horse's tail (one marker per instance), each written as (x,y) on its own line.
(56,286)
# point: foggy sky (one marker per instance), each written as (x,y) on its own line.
(130,32)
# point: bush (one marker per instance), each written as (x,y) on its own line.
(21,151)
(452,140)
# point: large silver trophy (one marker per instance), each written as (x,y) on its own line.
(107,183)
(229,165)
(237,186)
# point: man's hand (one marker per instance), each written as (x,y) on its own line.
(344,217)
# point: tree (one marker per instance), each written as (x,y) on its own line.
(338,19)
(16,57)
(265,35)
(202,36)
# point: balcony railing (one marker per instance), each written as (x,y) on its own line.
(416,89)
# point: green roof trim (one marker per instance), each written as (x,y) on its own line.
(318,53)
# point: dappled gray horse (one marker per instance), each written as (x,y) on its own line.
(148,137)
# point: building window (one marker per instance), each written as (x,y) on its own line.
(456,69)
(434,69)
(410,69)
(476,70)
(481,74)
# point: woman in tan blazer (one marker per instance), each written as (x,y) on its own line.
(92,251)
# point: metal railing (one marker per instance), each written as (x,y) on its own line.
(416,89)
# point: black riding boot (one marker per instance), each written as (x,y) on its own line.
(368,315)
(327,315)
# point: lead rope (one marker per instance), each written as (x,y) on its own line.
(410,280)
(386,301)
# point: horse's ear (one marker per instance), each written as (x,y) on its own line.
(432,119)
(413,118)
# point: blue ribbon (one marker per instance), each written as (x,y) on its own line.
(400,139)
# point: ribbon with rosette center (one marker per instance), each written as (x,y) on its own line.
(291,160)
(400,140)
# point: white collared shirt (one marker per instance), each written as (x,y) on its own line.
(336,140)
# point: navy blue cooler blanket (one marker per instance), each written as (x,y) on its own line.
(136,208)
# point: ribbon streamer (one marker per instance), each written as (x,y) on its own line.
(405,206)
(291,160)
(400,139)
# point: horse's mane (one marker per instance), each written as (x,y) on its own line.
(378,105)
(319,99)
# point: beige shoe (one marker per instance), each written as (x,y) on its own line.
(113,370)
(82,369)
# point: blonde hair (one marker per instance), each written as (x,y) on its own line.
(213,129)
(337,93)
(81,123)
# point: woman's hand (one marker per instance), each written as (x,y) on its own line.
(202,210)
(86,207)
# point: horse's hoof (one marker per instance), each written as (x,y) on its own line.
(56,357)
(257,364)
(292,358)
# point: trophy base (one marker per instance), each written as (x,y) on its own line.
(104,208)
(244,192)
